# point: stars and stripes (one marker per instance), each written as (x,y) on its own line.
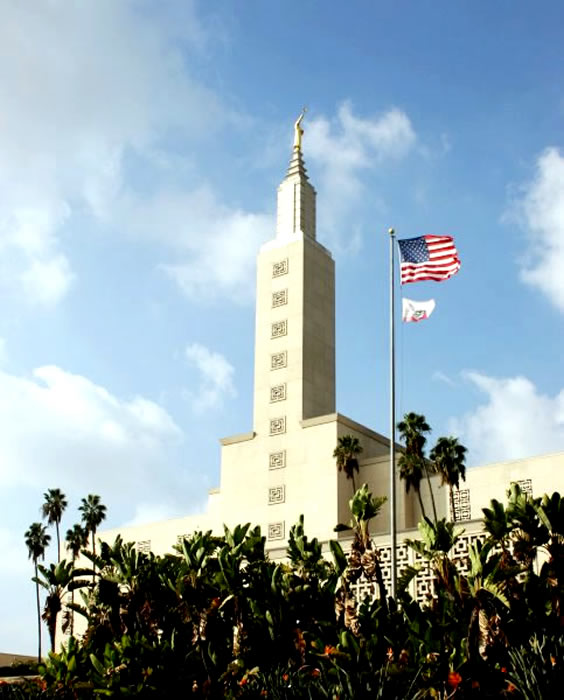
(428,258)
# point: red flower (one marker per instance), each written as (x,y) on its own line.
(316,673)
(285,677)
(454,679)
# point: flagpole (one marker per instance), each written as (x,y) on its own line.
(393,533)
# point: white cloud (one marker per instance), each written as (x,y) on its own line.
(61,429)
(81,84)
(214,246)
(216,377)
(541,211)
(515,421)
(440,376)
(347,145)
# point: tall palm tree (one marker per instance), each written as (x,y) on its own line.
(55,580)
(413,464)
(93,512)
(448,456)
(77,537)
(53,509)
(346,454)
(37,540)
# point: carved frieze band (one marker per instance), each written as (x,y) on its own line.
(277,426)
(278,393)
(280,268)
(276,531)
(462,507)
(526,486)
(143,546)
(277,460)
(278,360)
(278,329)
(279,298)
(276,494)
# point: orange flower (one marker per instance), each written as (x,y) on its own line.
(390,654)
(454,679)
(510,687)
(503,669)
(285,677)
(244,681)
(316,673)
(329,650)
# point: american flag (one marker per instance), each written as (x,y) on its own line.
(428,258)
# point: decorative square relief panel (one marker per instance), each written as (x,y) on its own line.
(278,329)
(277,494)
(277,460)
(277,426)
(462,508)
(278,360)
(278,393)
(279,298)
(276,531)
(526,486)
(280,268)
(143,546)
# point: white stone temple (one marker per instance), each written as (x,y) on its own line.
(284,466)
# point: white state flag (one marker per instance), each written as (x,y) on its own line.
(416,310)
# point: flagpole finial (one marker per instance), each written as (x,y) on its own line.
(391,231)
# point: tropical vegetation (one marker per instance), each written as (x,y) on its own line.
(218,618)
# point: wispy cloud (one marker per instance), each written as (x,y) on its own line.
(540,209)
(444,378)
(81,85)
(516,420)
(61,429)
(215,376)
(345,146)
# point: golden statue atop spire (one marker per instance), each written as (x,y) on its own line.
(298,130)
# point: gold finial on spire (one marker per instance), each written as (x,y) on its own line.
(298,130)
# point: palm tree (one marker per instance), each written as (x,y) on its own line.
(53,509)
(37,540)
(55,580)
(346,452)
(413,464)
(448,456)
(77,537)
(93,512)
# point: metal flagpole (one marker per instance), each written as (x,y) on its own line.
(393,533)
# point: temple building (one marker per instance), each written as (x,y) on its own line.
(284,466)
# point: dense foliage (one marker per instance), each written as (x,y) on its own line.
(219,619)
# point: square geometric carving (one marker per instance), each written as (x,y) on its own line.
(278,360)
(277,426)
(462,509)
(278,329)
(277,494)
(526,486)
(276,531)
(280,268)
(277,460)
(277,393)
(143,546)
(279,298)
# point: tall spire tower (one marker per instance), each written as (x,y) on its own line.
(295,313)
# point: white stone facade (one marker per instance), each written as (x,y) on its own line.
(285,467)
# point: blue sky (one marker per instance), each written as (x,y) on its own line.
(141,146)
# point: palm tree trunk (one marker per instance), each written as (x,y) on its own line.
(431,492)
(58,542)
(38,616)
(452,504)
(353,483)
(418,490)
